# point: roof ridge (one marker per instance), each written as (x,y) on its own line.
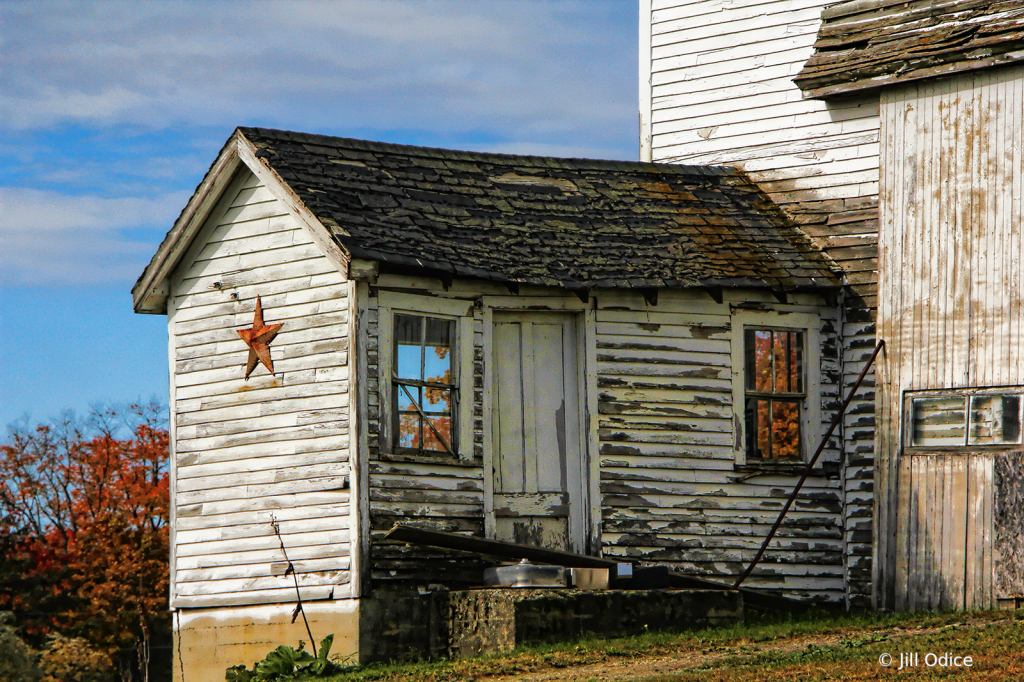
(469,155)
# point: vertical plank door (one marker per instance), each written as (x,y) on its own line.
(536,431)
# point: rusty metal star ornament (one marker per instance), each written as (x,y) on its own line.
(258,338)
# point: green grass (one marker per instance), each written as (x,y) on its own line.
(760,649)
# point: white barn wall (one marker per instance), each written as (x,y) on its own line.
(950,313)
(716,88)
(248,452)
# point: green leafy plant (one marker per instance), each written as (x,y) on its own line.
(285,662)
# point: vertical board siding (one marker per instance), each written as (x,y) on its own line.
(721,91)
(272,447)
(949,312)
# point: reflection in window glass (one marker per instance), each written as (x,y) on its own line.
(773,428)
(774,383)
(408,346)
(423,385)
(785,429)
(938,421)
(995,419)
(774,361)
(437,360)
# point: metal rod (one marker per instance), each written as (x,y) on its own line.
(810,465)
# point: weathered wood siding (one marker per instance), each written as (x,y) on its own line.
(665,486)
(945,529)
(671,492)
(950,305)
(716,87)
(272,447)
(441,496)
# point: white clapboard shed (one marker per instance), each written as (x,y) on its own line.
(892,133)
(631,360)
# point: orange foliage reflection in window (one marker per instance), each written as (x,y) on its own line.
(774,392)
(423,387)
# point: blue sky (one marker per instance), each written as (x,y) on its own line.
(110,114)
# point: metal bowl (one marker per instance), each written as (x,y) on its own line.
(525,574)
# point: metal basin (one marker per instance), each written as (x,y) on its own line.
(525,574)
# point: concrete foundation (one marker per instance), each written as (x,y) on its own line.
(208,641)
(408,624)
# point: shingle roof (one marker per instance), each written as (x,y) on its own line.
(573,223)
(865,44)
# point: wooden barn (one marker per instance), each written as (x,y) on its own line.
(891,133)
(627,360)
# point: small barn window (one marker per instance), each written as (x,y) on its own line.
(774,392)
(425,394)
(964,418)
(425,369)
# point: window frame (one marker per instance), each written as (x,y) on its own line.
(461,312)
(809,324)
(907,426)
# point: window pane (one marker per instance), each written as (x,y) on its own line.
(437,400)
(759,439)
(780,361)
(938,421)
(408,346)
(437,357)
(785,429)
(409,427)
(408,430)
(438,409)
(995,419)
(759,360)
(443,424)
(403,399)
(796,362)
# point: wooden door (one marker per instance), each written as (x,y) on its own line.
(538,458)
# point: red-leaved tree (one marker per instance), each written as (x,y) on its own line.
(83,516)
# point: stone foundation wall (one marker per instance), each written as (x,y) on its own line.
(488,621)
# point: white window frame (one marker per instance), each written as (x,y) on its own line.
(460,310)
(810,422)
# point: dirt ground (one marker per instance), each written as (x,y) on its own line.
(668,666)
(821,646)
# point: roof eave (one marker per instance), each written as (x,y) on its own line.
(820,88)
(151,290)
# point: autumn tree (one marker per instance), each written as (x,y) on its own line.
(84,520)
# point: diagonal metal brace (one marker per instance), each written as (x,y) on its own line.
(426,420)
(810,464)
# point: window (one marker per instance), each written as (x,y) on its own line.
(424,392)
(969,417)
(776,385)
(774,393)
(425,377)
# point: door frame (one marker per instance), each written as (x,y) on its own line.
(586,376)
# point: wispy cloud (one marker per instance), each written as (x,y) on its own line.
(529,67)
(47,238)
(106,105)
